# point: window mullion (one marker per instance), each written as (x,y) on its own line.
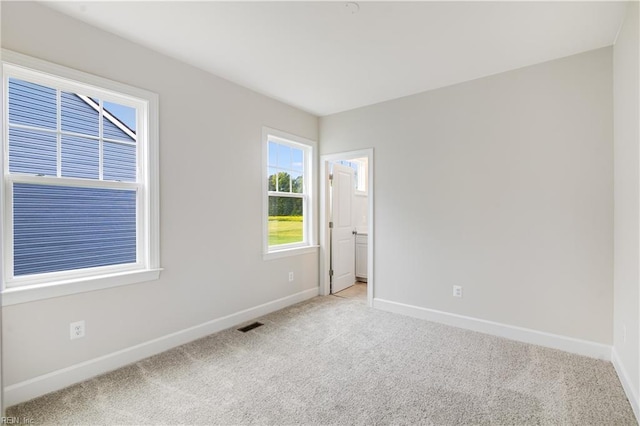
(59,133)
(100,142)
(115,141)
(290,171)
(5,129)
(79,135)
(306,223)
(70,182)
(286,194)
(32,128)
(306,172)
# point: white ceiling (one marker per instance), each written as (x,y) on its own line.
(322,58)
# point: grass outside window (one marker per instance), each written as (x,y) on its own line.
(285,230)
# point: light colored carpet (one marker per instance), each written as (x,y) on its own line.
(332,360)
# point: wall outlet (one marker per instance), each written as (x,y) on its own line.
(457,291)
(76,329)
(290,276)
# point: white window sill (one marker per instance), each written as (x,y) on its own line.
(31,293)
(297,251)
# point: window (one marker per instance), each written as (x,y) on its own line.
(359,165)
(288,191)
(80,178)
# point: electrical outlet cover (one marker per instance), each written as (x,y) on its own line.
(76,330)
(457,291)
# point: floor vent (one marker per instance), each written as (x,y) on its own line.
(250,327)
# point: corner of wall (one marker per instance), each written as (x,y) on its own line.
(626,112)
(627,385)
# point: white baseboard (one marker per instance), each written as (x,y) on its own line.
(540,338)
(632,394)
(38,386)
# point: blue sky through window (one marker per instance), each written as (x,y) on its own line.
(273,154)
(286,158)
(297,163)
(125,114)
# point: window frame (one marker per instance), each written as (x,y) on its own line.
(309,148)
(362,173)
(147,266)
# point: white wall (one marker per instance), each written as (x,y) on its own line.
(503,185)
(211,203)
(626,94)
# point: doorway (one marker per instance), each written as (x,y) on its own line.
(346,222)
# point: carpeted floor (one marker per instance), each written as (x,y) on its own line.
(332,360)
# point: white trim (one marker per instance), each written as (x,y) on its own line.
(59,379)
(75,182)
(30,293)
(632,394)
(151,126)
(295,251)
(521,334)
(93,82)
(325,214)
(3,102)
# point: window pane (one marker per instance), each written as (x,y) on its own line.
(58,228)
(273,155)
(298,160)
(78,116)
(284,157)
(119,162)
(285,220)
(80,157)
(296,183)
(31,104)
(284,182)
(272,179)
(32,152)
(117,119)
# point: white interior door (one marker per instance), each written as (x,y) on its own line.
(342,237)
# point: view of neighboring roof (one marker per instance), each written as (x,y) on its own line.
(93,103)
